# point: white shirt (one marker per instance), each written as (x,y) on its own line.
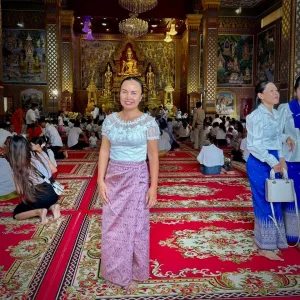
(73,136)
(184,132)
(30,116)
(288,127)
(214,131)
(89,127)
(218,120)
(211,156)
(264,134)
(164,142)
(52,133)
(4,134)
(37,114)
(60,121)
(95,112)
(93,140)
(243,147)
(221,135)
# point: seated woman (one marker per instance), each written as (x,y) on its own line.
(221,135)
(184,130)
(29,171)
(7,186)
(211,158)
(73,138)
(164,145)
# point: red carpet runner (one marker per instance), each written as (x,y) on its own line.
(201,240)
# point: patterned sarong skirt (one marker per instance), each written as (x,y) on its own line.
(125,224)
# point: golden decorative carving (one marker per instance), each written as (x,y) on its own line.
(67,17)
(193,22)
(231,23)
(275,15)
(206,4)
(129,66)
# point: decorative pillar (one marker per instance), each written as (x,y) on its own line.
(210,53)
(53,54)
(288,65)
(66,22)
(193,81)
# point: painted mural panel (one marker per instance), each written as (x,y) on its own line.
(30,96)
(93,55)
(266,55)
(24,56)
(235,59)
(226,102)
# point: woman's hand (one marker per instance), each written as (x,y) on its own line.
(283,163)
(103,192)
(278,168)
(290,143)
(151,197)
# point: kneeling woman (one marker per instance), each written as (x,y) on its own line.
(37,196)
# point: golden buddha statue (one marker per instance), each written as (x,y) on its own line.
(129,67)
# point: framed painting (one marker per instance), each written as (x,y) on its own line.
(226,102)
(30,96)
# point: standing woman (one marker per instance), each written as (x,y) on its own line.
(123,187)
(264,142)
(290,122)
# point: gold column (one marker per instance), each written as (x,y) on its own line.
(210,53)
(53,54)
(287,53)
(67,36)
(193,23)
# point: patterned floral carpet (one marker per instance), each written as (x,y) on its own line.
(201,240)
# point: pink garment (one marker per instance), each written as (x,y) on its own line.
(125,224)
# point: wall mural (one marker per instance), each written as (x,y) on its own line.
(30,96)
(266,55)
(24,56)
(235,59)
(96,54)
(162,57)
(226,102)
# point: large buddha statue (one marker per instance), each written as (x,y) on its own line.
(129,66)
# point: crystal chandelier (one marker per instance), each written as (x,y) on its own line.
(138,6)
(133,26)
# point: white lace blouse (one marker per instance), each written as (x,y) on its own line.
(128,140)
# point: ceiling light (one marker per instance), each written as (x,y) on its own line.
(173,30)
(78,17)
(107,29)
(168,38)
(133,26)
(81,23)
(104,24)
(138,6)
(154,25)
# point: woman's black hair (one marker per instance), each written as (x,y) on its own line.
(297,83)
(222,126)
(40,141)
(135,79)
(260,87)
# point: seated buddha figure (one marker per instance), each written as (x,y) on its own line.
(129,66)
